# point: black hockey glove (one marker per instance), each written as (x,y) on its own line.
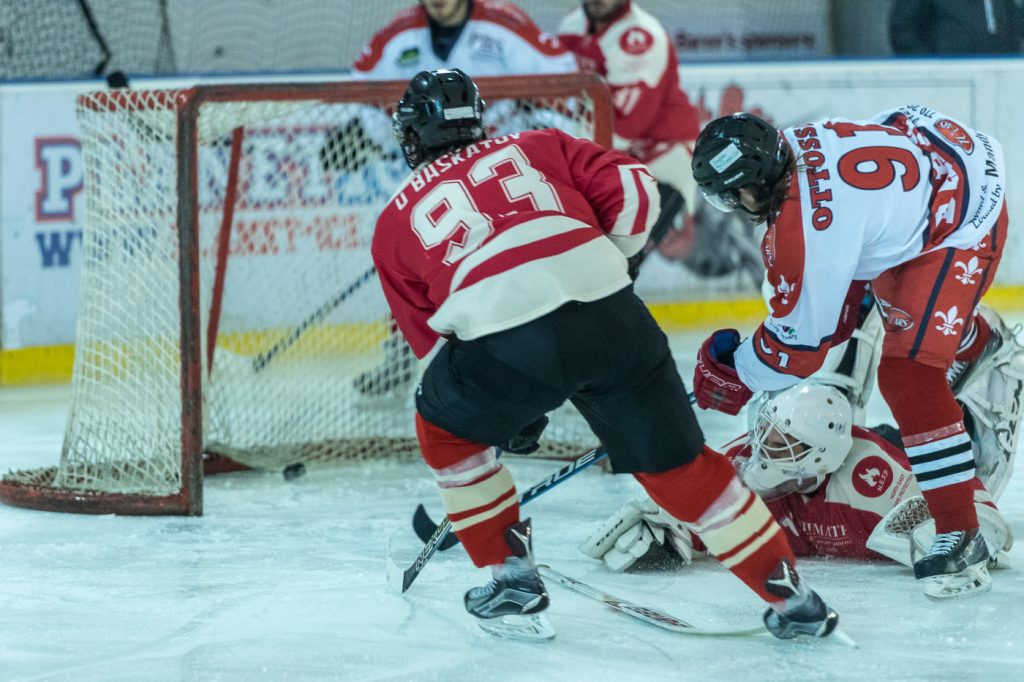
(528,440)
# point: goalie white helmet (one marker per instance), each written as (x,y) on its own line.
(800,436)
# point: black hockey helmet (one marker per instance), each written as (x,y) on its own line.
(440,110)
(738,151)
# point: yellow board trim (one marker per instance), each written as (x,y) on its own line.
(37,365)
(50,364)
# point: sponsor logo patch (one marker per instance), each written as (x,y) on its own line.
(955,133)
(895,319)
(872,476)
(725,158)
(409,56)
(636,41)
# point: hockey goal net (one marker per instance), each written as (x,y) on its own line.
(229,306)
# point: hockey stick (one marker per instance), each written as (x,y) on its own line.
(400,580)
(264,358)
(645,613)
(424,526)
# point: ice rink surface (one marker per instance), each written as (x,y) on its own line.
(285,581)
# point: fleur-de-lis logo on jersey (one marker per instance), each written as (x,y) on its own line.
(979,246)
(970,269)
(949,321)
(785,289)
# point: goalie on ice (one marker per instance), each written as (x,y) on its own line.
(836,488)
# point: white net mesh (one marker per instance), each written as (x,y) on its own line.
(299,329)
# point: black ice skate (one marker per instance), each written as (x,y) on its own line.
(802,611)
(394,375)
(511,605)
(955,566)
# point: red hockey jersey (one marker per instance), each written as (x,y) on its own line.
(636,56)
(506,230)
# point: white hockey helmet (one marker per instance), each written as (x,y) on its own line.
(800,436)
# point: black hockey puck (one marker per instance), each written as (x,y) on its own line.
(117,79)
(293,471)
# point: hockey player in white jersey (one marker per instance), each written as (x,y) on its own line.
(483,37)
(911,201)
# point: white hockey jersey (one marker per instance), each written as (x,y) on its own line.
(499,39)
(867,196)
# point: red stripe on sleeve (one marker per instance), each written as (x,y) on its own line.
(798,362)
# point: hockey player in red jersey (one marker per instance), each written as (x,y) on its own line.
(504,261)
(912,201)
(836,489)
(491,37)
(654,120)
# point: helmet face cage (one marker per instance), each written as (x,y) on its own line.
(800,436)
(727,201)
(440,109)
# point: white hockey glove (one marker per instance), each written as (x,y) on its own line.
(639,526)
(906,532)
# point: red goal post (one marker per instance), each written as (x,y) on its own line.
(227,224)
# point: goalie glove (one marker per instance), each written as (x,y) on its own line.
(906,532)
(637,528)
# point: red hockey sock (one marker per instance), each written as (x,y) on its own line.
(975,339)
(934,437)
(731,521)
(478,492)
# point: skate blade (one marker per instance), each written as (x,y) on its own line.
(843,638)
(967,583)
(530,628)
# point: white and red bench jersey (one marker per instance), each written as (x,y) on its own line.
(868,196)
(637,58)
(499,39)
(507,230)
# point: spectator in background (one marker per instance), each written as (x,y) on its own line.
(955,27)
(654,120)
(483,37)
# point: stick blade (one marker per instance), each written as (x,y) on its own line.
(394,573)
(424,527)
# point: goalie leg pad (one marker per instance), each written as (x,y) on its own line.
(993,397)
